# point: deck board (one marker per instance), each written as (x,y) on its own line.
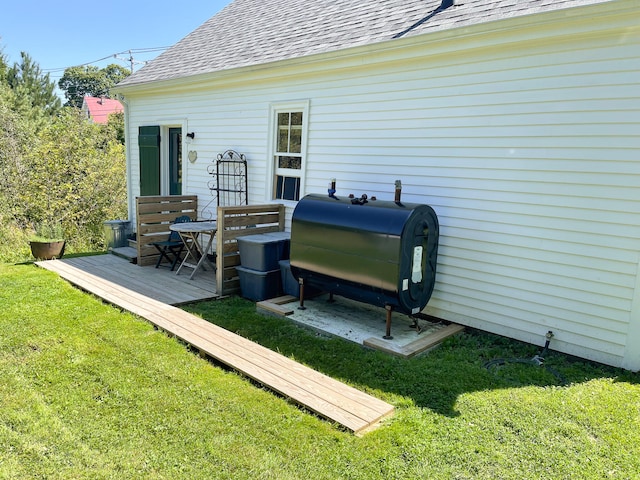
(160,284)
(135,289)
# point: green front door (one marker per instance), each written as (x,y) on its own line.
(149,147)
(175,161)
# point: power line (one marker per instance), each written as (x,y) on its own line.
(114,55)
(131,60)
(51,70)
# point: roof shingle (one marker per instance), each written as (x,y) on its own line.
(254,32)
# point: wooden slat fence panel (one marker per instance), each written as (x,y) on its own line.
(153,216)
(234,222)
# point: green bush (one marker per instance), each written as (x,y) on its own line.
(49,232)
(68,172)
(14,241)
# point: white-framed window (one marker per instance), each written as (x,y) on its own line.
(289,149)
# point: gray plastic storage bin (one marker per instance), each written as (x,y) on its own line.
(285,238)
(290,285)
(262,252)
(257,286)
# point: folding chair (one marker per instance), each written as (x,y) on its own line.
(172,246)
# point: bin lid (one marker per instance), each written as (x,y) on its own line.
(262,238)
(280,235)
(116,222)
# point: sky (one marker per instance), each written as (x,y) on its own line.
(58,35)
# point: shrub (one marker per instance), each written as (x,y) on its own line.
(70,173)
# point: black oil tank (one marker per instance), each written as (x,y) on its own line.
(378,252)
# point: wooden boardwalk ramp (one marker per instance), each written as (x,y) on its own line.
(327,397)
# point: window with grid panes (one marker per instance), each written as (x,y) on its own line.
(289,158)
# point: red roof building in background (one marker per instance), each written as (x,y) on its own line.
(98,109)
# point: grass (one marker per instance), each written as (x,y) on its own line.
(89,391)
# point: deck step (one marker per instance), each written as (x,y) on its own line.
(128,253)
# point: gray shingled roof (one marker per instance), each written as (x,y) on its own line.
(253,32)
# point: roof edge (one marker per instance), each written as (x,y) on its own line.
(442,42)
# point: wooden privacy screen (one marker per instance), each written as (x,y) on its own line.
(234,222)
(153,216)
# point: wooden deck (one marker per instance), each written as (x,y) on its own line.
(157,283)
(136,289)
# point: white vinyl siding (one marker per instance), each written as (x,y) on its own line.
(533,170)
(528,152)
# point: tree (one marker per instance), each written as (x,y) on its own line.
(71,172)
(54,168)
(13,141)
(3,67)
(17,135)
(33,90)
(89,80)
(73,175)
(115,127)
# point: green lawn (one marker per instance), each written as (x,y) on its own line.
(89,391)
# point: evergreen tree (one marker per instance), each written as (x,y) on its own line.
(3,67)
(33,90)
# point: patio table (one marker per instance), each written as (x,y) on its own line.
(196,256)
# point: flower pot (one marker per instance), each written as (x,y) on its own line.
(47,250)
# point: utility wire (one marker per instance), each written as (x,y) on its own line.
(114,55)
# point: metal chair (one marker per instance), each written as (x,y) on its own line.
(172,246)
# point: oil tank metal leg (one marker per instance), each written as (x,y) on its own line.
(301,283)
(389,309)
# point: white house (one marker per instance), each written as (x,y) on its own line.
(518,121)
